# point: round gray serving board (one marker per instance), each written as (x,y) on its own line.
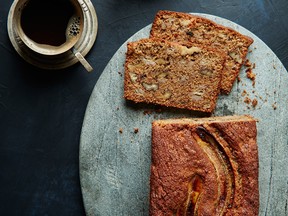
(115,166)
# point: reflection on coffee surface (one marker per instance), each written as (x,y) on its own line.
(45,22)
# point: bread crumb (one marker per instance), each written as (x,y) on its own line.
(243,93)
(274,106)
(247,100)
(249,72)
(121,130)
(254,102)
(251,76)
(136,130)
(119,72)
(247,63)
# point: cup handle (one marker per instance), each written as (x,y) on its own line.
(82,60)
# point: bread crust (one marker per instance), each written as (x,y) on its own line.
(185,29)
(204,167)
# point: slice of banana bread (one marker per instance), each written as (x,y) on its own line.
(205,166)
(169,74)
(187,29)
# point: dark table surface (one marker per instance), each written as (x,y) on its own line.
(41,112)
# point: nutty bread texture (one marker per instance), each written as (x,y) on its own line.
(206,166)
(187,29)
(172,75)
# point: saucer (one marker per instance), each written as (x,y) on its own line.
(66,59)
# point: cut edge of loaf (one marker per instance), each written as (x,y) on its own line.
(213,119)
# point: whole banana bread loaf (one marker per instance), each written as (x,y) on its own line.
(206,166)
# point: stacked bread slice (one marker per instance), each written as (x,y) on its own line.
(187,29)
(185,63)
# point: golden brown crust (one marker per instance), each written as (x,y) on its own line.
(169,74)
(185,29)
(204,167)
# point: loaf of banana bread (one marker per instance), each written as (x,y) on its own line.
(206,166)
(172,75)
(187,29)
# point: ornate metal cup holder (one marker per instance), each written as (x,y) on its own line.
(63,60)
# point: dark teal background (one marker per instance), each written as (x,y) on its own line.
(41,112)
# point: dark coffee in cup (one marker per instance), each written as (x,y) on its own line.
(45,22)
(50,27)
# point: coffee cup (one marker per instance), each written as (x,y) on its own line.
(50,27)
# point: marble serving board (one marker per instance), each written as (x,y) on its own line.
(115,159)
